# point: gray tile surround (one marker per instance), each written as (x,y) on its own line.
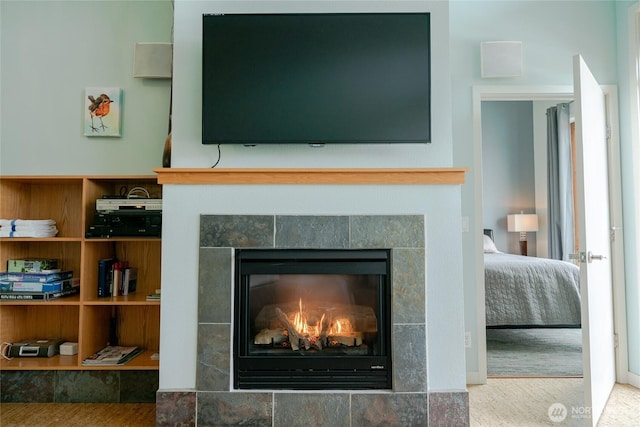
(72,386)
(406,404)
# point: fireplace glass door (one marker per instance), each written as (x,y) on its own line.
(312,319)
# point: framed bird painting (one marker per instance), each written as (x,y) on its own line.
(102,107)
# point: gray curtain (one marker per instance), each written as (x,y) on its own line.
(560,183)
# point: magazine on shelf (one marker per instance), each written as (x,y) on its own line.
(113,355)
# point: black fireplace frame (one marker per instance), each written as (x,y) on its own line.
(307,370)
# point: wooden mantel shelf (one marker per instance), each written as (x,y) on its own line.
(408,176)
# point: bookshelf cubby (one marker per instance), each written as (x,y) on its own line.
(82,318)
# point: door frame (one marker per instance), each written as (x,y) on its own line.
(634,120)
(551,93)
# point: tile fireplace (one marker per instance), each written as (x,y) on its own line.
(404,398)
(404,401)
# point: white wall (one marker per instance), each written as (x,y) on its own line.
(52,50)
(628,29)
(494,214)
(183,204)
(508,162)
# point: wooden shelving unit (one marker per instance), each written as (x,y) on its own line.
(83,318)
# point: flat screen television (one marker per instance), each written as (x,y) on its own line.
(351,78)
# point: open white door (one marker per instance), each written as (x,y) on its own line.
(595,244)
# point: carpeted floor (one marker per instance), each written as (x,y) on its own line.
(534,352)
(524,402)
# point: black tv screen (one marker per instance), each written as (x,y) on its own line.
(316,78)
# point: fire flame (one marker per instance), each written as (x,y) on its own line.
(309,328)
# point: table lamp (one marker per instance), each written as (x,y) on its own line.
(522,223)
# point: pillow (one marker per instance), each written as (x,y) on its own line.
(489,246)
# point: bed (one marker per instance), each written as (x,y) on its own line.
(522,291)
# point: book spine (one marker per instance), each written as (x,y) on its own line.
(117,279)
(23,296)
(38,296)
(125,280)
(118,276)
(42,287)
(102,266)
(36,287)
(129,280)
(64,292)
(36,277)
(104,277)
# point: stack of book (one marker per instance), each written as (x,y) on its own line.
(116,278)
(112,355)
(36,280)
(154,296)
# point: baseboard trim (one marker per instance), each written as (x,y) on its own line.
(476,378)
(633,379)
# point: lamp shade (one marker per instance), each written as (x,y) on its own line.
(522,222)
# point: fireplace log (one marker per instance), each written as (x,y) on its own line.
(294,336)
(349,339)
(270,336)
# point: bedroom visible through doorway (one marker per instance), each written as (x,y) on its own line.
(514,160)
(516,93)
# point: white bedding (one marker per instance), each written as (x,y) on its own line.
(529,291)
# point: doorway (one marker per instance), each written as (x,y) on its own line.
(532,302)
(555,94)
(546,93)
